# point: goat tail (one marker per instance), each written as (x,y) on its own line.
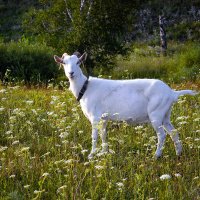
(184,92)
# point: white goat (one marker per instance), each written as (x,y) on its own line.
(133,101)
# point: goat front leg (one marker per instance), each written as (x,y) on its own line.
(103,137)
(94,139)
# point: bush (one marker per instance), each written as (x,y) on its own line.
(32,63)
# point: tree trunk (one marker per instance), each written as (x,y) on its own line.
(163,38)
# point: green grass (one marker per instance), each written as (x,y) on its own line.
(181,62)
(45,140)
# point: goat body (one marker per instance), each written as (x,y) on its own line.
(133,101)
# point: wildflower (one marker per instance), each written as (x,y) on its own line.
(3,91)
(2,109)
(46,154)
(63,134)
(12,176)
(8,132)
(69,161)
(60,189)
(197,119)
(15,142)
(99,167)
(182,123)
(29,102)
(80,132)
(104,115)
(50,113)
(45,174)
(111,151)
(26,186)
(139,128)
(3,148)
(177,175)
(38,191)
(120,184)
(34,111)
(24,149)
(195,178)
(182,118)
(84,151)
(86,163)
(165,176)
(55,98)
(58,162)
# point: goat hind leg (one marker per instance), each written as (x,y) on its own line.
(174,136)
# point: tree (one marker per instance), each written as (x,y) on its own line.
(97,27)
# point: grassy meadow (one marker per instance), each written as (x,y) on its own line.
(45,140)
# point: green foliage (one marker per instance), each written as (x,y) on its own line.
(45,140)
(32,63)
(182,62)
(97,28)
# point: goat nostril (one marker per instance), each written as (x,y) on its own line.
(71,73)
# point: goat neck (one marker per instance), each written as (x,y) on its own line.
(77,83)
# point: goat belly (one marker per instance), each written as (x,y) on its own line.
(126,106)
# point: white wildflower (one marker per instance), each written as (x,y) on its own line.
(50,113)
(69,161)
(63,134)
(120,184)
(197,119)
(2,90)
(12,176)
(2,109)
(99,167)
(8,132)
(29,102)
(195,178)
(46,154)
(182,123)
(84,151)
(25,149)
(86,163)
(26,186)
(177,175)
(38,191)
(104,115)
(139,128)
(45,174)
(3,148)
(165,176)
(60,189)
(34,111)
(55,98)
(15,142)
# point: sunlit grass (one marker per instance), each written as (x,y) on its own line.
(45,140)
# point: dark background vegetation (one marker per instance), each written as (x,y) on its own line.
(121,38)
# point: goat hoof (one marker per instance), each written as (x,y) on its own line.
(157,156)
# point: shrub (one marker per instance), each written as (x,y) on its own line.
(30,62)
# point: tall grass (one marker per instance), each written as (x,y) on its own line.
(45,140)
(182,62)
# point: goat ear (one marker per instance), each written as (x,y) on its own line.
(58,59)
(82,58)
